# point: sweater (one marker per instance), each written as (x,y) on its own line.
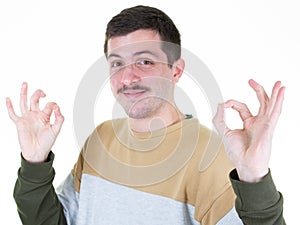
(178,175)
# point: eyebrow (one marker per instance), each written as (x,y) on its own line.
(135,54)
(145,52)
(113,55)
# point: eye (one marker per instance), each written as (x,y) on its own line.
(116,64)
(145,62)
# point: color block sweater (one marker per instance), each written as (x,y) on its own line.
(178,175)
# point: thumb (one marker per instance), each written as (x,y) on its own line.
(59,119)
(219,122)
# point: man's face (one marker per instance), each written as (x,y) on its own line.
(140,77)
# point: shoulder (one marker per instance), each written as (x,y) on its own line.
(111,125)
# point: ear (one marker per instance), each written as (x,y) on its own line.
(178,68)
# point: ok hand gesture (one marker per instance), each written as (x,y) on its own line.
(250,148)
(35,132)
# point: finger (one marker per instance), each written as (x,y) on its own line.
(241,108)
(59,119)
(261,95)
(11,111)
(23,98)
(219,122)
(278,106)
(34,100)
(49,108)
(274,96)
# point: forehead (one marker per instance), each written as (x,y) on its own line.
(140,40)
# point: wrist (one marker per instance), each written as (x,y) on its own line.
(35,158)
(251,176)
(35,172)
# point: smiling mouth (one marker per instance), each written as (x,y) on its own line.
(133,93)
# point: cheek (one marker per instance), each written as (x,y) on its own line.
(114,81)
(114,86)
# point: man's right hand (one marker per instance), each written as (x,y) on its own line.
(35,132)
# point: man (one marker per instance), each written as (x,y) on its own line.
(142,47)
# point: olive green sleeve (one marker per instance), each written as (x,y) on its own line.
(258,203)
(35,195)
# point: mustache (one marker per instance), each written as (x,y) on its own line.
(135,87)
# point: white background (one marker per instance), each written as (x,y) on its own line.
(51,44)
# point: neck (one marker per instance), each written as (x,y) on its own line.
(166,117)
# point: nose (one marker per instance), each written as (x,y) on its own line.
(129,75)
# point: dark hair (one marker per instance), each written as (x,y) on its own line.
(146,17)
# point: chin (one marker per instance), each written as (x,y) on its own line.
(140,113)
(137,115)
(142,109)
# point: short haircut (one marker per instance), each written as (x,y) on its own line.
(150,18)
